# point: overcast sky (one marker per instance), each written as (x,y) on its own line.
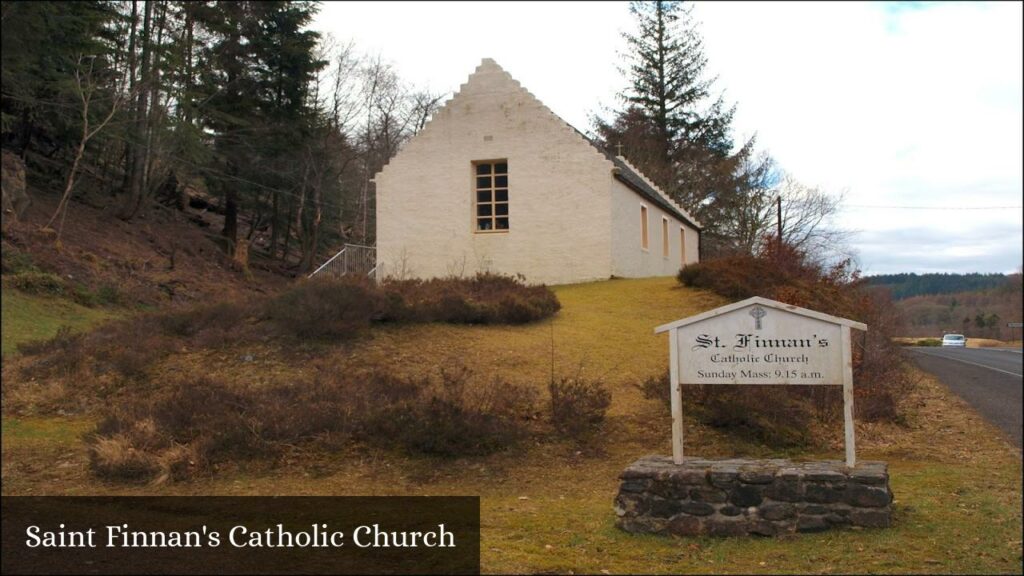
(900,106)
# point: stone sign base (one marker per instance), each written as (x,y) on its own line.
(739,496)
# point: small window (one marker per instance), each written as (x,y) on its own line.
(664,237)
(644,240)
(682,246)
(491,193)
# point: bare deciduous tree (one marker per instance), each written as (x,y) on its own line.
(808,219)
(85,87)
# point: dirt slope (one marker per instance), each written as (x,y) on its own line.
(161,257)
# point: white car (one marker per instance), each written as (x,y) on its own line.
(954,340)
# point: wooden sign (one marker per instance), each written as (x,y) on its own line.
(760,341)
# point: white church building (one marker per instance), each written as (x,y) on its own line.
(497,182)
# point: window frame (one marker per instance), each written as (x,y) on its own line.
(645,233)
(493,189)
(682,245)
(666,249)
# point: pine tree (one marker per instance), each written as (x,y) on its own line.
(672,128)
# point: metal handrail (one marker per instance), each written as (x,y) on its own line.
(322,266)
(354,258)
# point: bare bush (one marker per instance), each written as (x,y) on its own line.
(578,405)
(191,426)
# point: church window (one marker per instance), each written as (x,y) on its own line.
(491,196)
(664,236)
(644,239)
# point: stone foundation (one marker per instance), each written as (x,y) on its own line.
(739,496)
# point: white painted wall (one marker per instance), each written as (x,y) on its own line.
(629,258)
(559,204)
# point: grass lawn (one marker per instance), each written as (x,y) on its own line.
(548,507)
(27,317)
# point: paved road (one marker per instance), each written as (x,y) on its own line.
(989,380)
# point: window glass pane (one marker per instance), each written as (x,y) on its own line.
(501,195)
(502,223)
(483,210)
(501,168)
(501,181)
(483,181)
(501,209)
(483,196)
(483,224)
(483,168)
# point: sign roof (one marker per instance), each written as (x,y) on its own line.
(762,302)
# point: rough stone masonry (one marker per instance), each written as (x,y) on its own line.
(739,496)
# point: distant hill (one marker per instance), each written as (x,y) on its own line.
(902,286)
(978,313)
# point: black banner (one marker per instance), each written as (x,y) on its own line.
(240,535)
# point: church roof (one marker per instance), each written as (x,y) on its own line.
(632,178)
(636,181)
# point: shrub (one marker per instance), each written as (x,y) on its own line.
(483,299)
(42,283)
(928,342)
(657,388)
(220,316)
(578,405)
(774,415)
(61,355)
(116,458)
(324,309)
(130,347)
(450,418)
(13,261)
(191,426)
(108,295)
(780,414)
(84,296)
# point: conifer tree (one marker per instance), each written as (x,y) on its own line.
(671,126)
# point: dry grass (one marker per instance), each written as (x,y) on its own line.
(990,343)
(547,507)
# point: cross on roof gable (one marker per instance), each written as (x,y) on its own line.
(767,304)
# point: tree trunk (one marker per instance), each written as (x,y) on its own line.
(140,153)
(230,231)
(129,148)
(154,105)
(274,225)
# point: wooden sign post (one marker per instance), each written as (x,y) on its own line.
(760,341)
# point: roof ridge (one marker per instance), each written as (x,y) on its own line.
(658,189)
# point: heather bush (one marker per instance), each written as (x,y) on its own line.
(34,282)
(482,299)
(13,261)
(657,388)
(129,347)
(324,309)
(578,405)
(222,316)
(455,416)
(190,427)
